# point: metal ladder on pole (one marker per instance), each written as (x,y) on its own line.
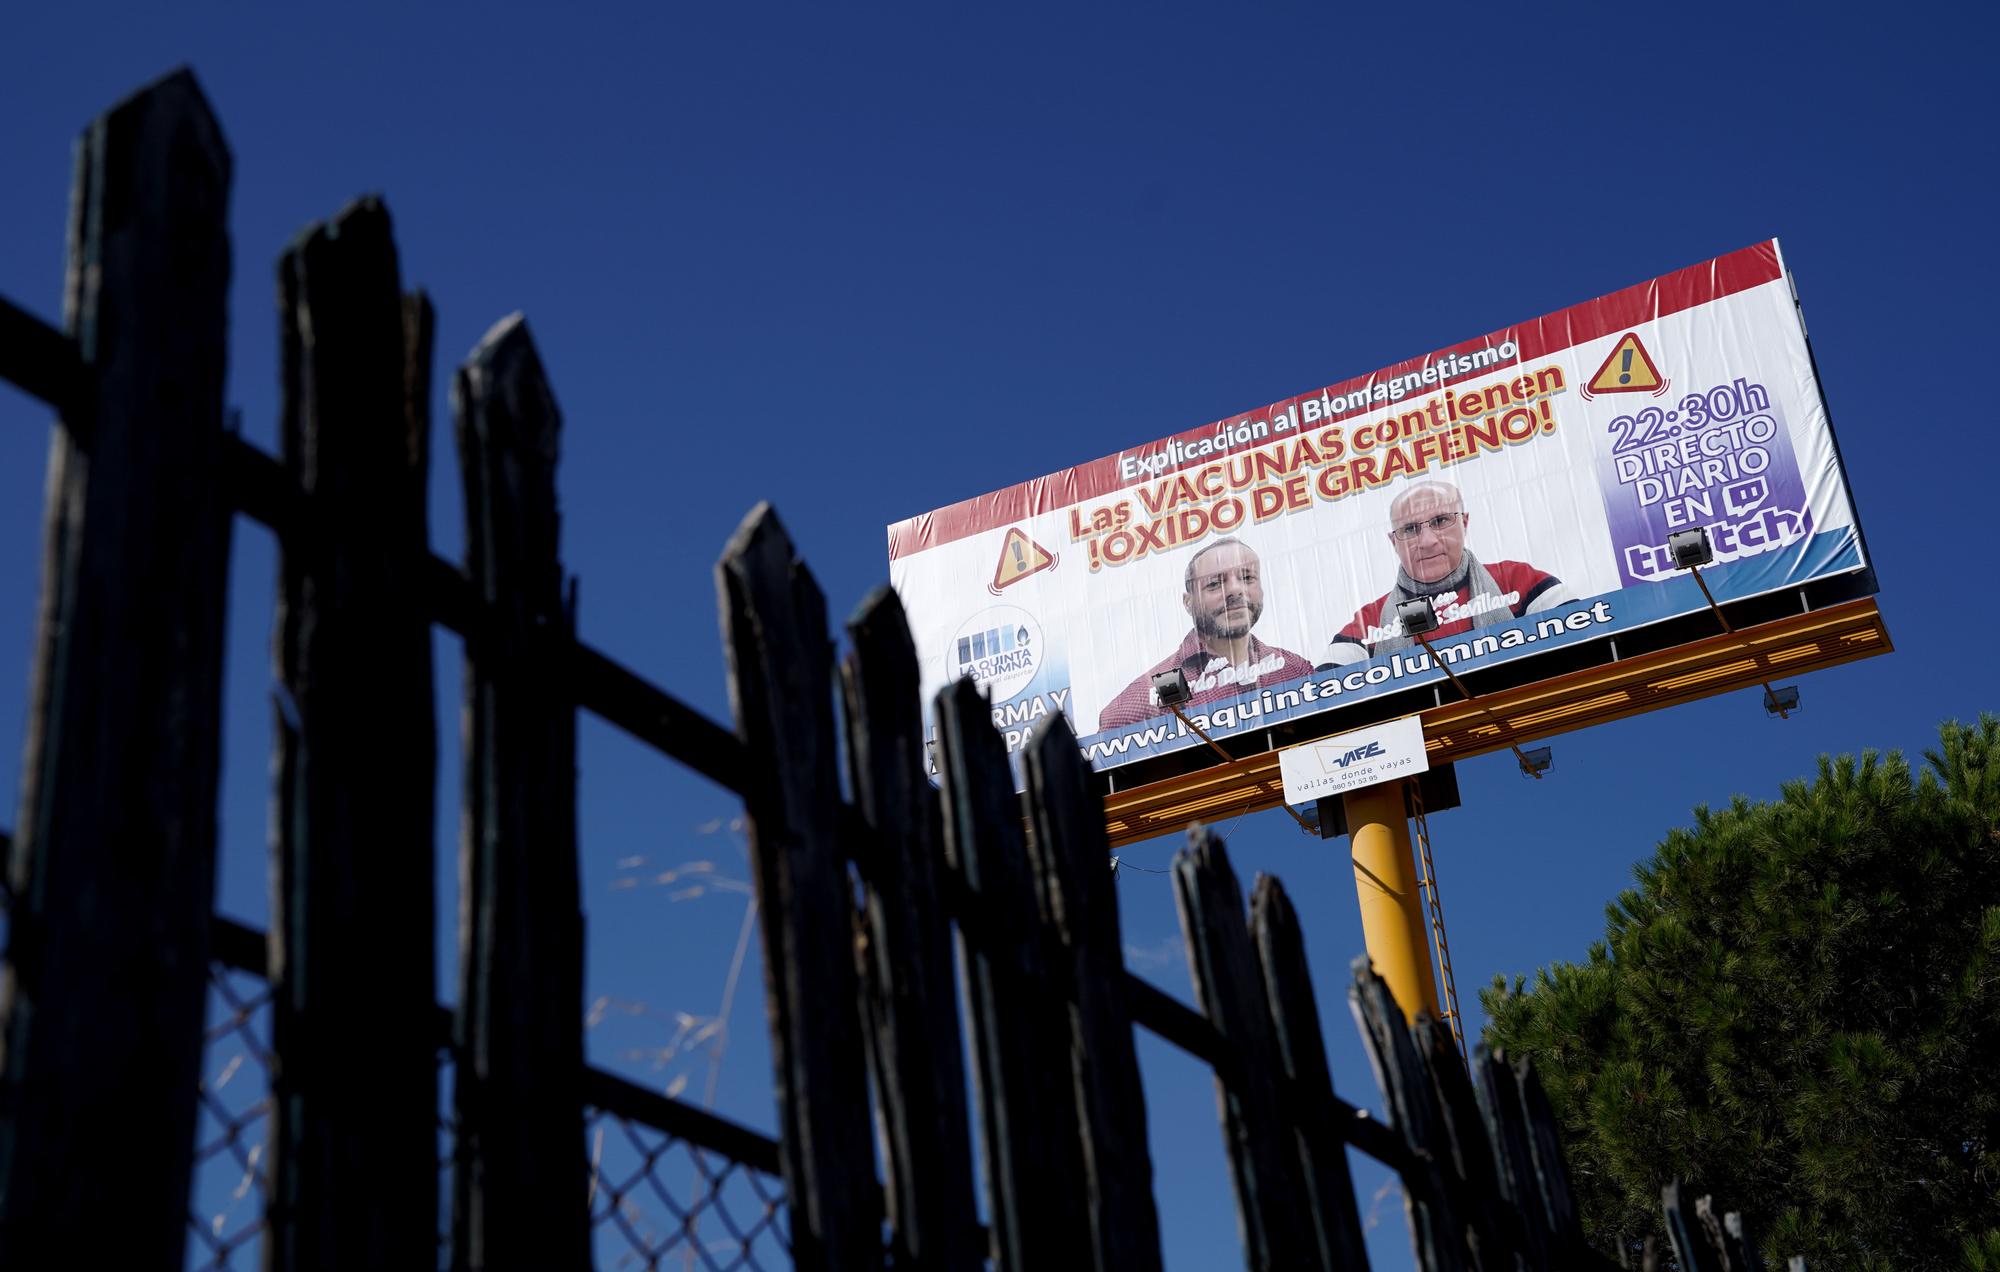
(1427,885)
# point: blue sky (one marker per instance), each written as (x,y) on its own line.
(864,264)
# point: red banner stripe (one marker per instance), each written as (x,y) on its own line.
(1538,338)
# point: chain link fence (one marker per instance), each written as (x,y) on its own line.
(657,1200)
(233,1105)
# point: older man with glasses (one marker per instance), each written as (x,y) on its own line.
(1427,525)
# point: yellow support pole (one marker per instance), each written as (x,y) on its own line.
(1385,878)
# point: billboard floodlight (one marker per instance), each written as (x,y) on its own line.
(1536,762)
(1417,616)
(1171,689)
(1690,548)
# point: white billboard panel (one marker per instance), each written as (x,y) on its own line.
(1525,482)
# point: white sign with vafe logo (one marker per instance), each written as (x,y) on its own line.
(1379,753)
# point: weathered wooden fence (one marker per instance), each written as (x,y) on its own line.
(113,949)
(1023,882)
(113,952)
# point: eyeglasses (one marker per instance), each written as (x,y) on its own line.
(1436,525)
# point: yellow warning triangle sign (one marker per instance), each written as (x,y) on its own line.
(1629,369)
(1020,556)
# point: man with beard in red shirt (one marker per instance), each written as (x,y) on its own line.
(1223,594)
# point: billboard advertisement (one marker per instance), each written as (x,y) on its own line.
(1525,481)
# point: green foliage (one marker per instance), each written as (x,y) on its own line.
(1982,1253)
(1797,1010)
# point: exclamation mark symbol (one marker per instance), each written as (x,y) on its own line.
(1624,378)
(1021,560)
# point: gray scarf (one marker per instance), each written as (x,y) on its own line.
(1470,575)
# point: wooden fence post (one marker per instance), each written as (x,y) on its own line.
(354,1079)
(780,683)
(1706,1240)
(1288,993)
(1469,1165)
(906,952)
(1436,1229)
(1513,1160)
(113,871)
(1073,863)
(1263,1155)
(1725,1236)
(1692,1251)
(1567,1246)
(1027,1104)
(522,1173)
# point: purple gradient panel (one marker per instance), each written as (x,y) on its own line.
(1721,458)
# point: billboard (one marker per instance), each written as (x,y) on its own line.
(1525,481)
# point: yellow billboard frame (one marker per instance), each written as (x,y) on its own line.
(1598,695)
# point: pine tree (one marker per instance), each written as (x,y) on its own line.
(1797,1010)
